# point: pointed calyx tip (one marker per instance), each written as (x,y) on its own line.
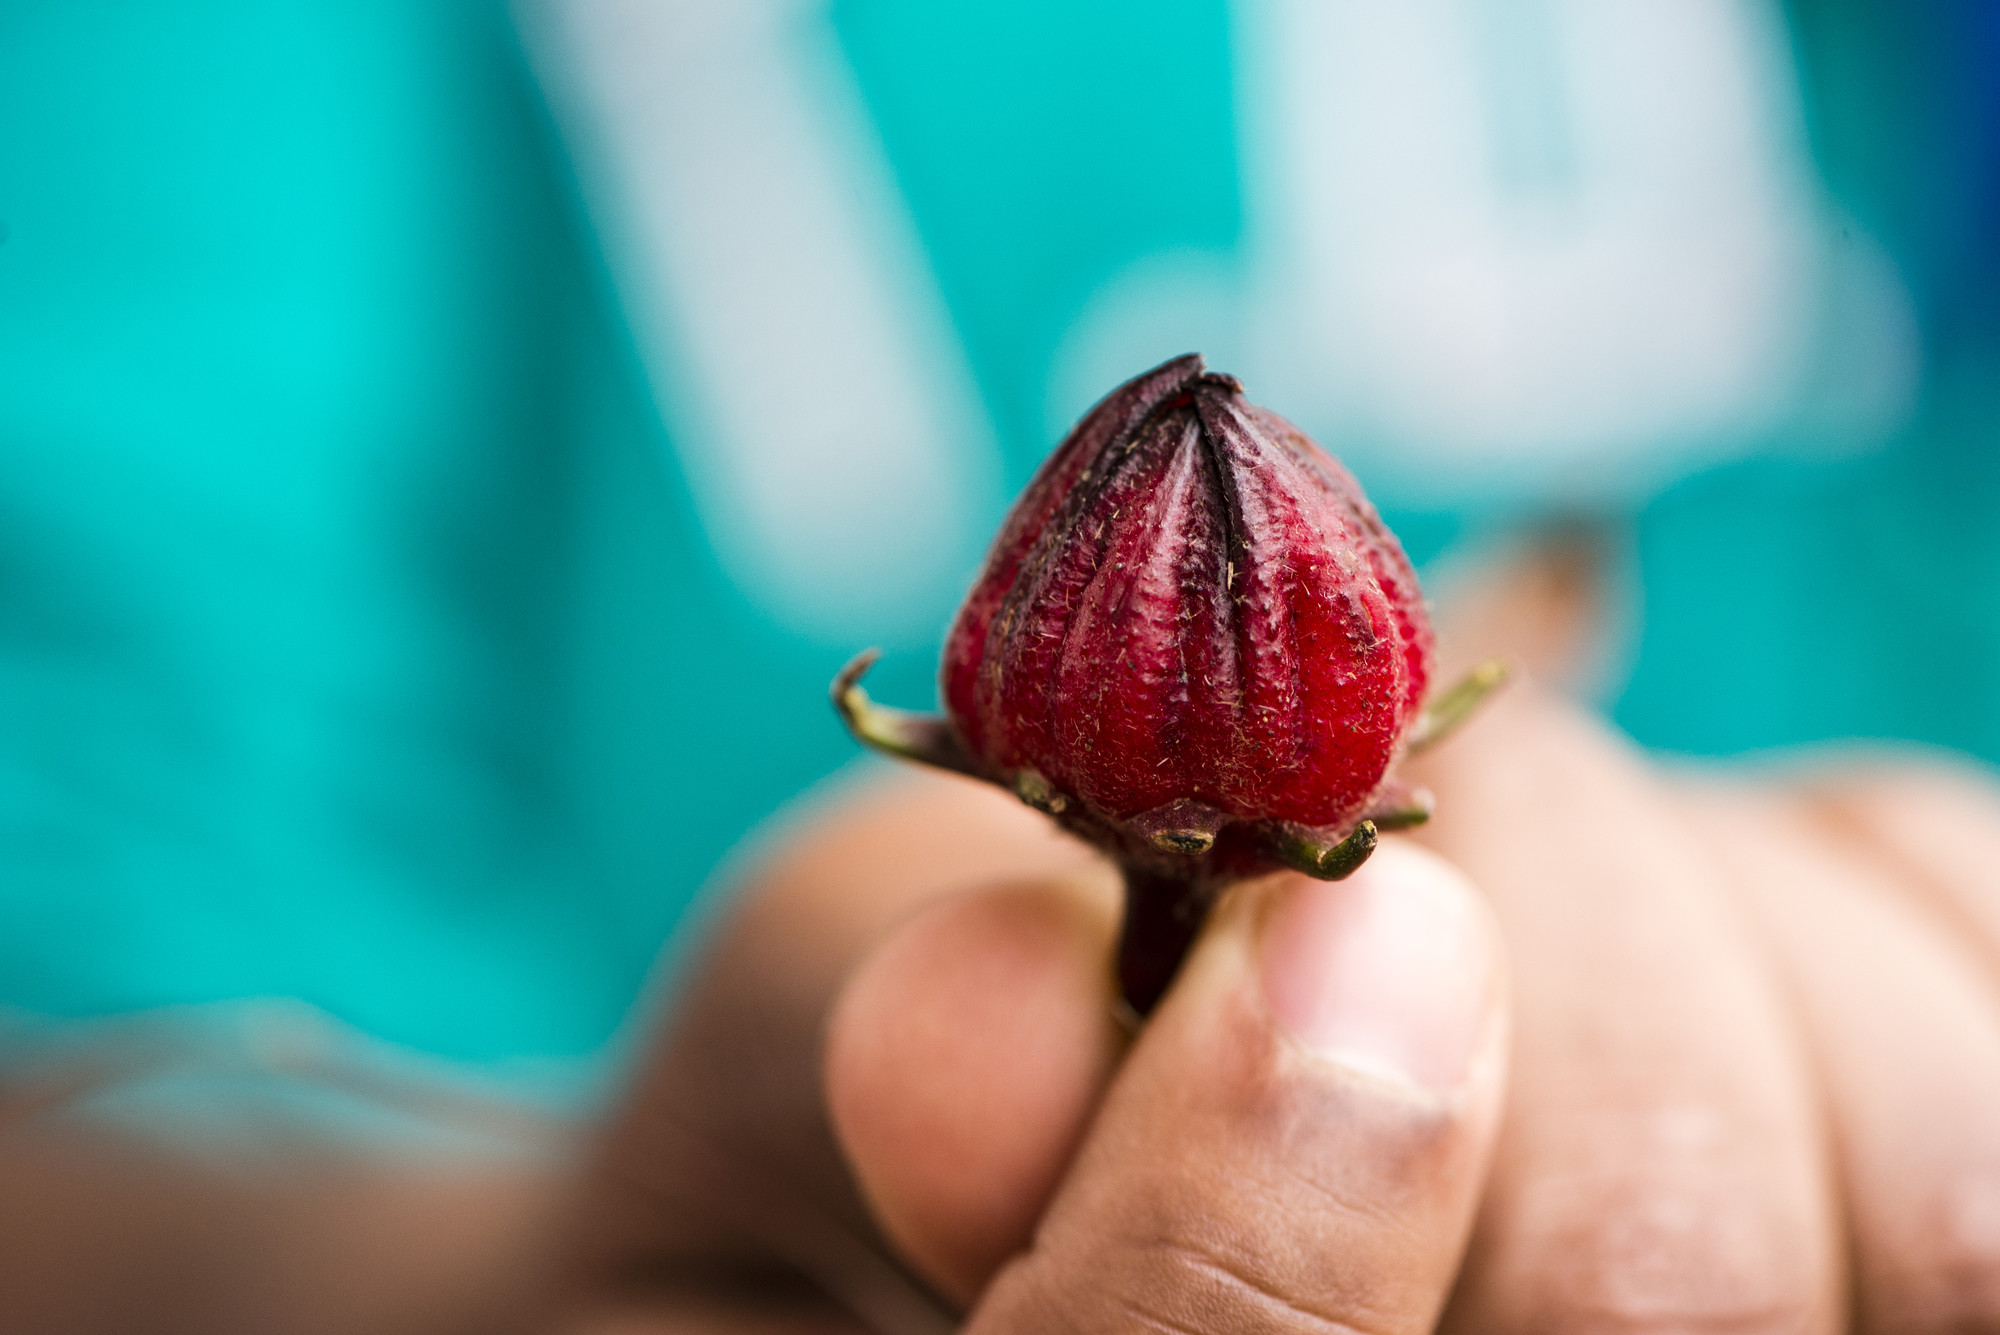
(1451,707)
(1329,860)
(927,738)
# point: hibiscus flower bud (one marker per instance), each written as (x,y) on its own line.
(1194,644)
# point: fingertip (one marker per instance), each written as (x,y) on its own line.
(1391,971)
(1397,971)
(963,1060)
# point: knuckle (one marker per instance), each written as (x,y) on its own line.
(1659,1257)
(1683,1319)
(1358,1151)
(1689,1312)
(1197,1285)
(1697,1292)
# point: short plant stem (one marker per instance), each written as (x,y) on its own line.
(1163,915)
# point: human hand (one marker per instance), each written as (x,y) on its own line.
(1324,1080)
(1756,1077)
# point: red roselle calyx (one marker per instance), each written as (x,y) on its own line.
(1195,645)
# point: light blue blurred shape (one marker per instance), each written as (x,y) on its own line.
(1533,252)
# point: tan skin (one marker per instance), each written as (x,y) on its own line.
(1729,1060)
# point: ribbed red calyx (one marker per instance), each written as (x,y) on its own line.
(1192,617)
(1195,645)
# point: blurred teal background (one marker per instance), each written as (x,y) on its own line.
(361,640)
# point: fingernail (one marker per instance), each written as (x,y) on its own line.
(1388,972)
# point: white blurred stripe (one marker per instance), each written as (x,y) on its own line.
(1537,251)
(1663,290)
(805,362)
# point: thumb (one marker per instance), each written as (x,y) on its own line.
(1298,1139)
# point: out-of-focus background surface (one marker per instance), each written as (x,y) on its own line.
(446,448)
